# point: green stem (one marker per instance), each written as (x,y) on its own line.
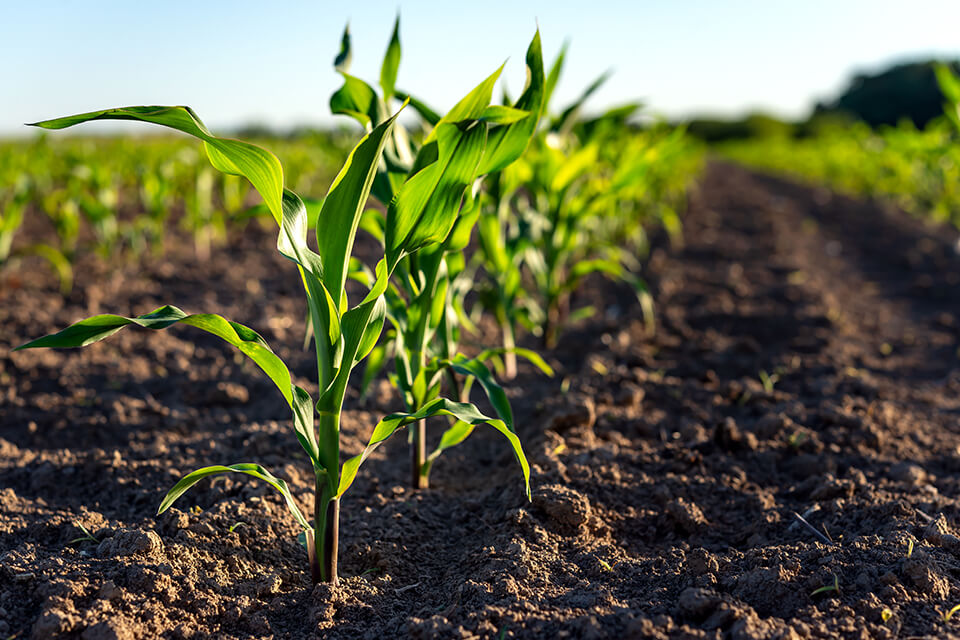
(324,549)
(418,456)
(326,507)
(550,324)
(418,440)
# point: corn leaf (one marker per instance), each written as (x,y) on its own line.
(470,107)
(949,83)
(532,356)
(391,63)
(250,469)
(358,100)
(344,205)
(345,55)
(506,143)
(469,367)
(56,258)
(361,326)
(236,157)
(430,116)
(501,115)
(426,207)
(565,121)
(459,236)
(248,341)
(464,412)
(324,310)
(554,75)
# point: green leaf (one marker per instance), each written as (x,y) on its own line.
(507,143)
(532,356)
(459,236)
(949,83)
(344,205)
(358,100)
(248,341)
(59,262)
(236,157)
(250,469)
(554,75)
(376,360)
(426,207)
(499,114)
(576,165)
(451,437)
(464,412)
(471,367)
(429,115)
(564,122)
(324,314)
(345,56)
(391,62)
(470,107)
(581,313)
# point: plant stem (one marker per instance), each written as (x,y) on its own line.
(418,456)
(326,534)
(550,325)
(430,270)
(509,356)
(558,308)
(326,506)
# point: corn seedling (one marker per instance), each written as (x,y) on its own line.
(86,537)
(606,565)
(947,615)
(573,205)
(796,440)
(425,299)
(768,380)
(828,588)
(343,333)
(12,208)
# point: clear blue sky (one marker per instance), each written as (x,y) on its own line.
(270,62)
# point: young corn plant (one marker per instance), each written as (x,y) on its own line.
(424,301)
(541,216)
(93,188)
(157,195)
(504,239)
(13,205)
(343,333)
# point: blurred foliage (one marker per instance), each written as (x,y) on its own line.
(755,125)
(902,92)
(123,195)
(917,169)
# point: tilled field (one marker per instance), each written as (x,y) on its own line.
(805,362)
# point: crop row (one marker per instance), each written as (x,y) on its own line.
(503,201)
(918,170)
(115,195)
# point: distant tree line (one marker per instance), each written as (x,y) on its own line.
(906,91)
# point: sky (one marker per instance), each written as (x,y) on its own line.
(253,61)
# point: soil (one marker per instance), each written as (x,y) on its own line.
(805,362)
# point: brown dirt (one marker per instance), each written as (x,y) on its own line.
(666,478)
